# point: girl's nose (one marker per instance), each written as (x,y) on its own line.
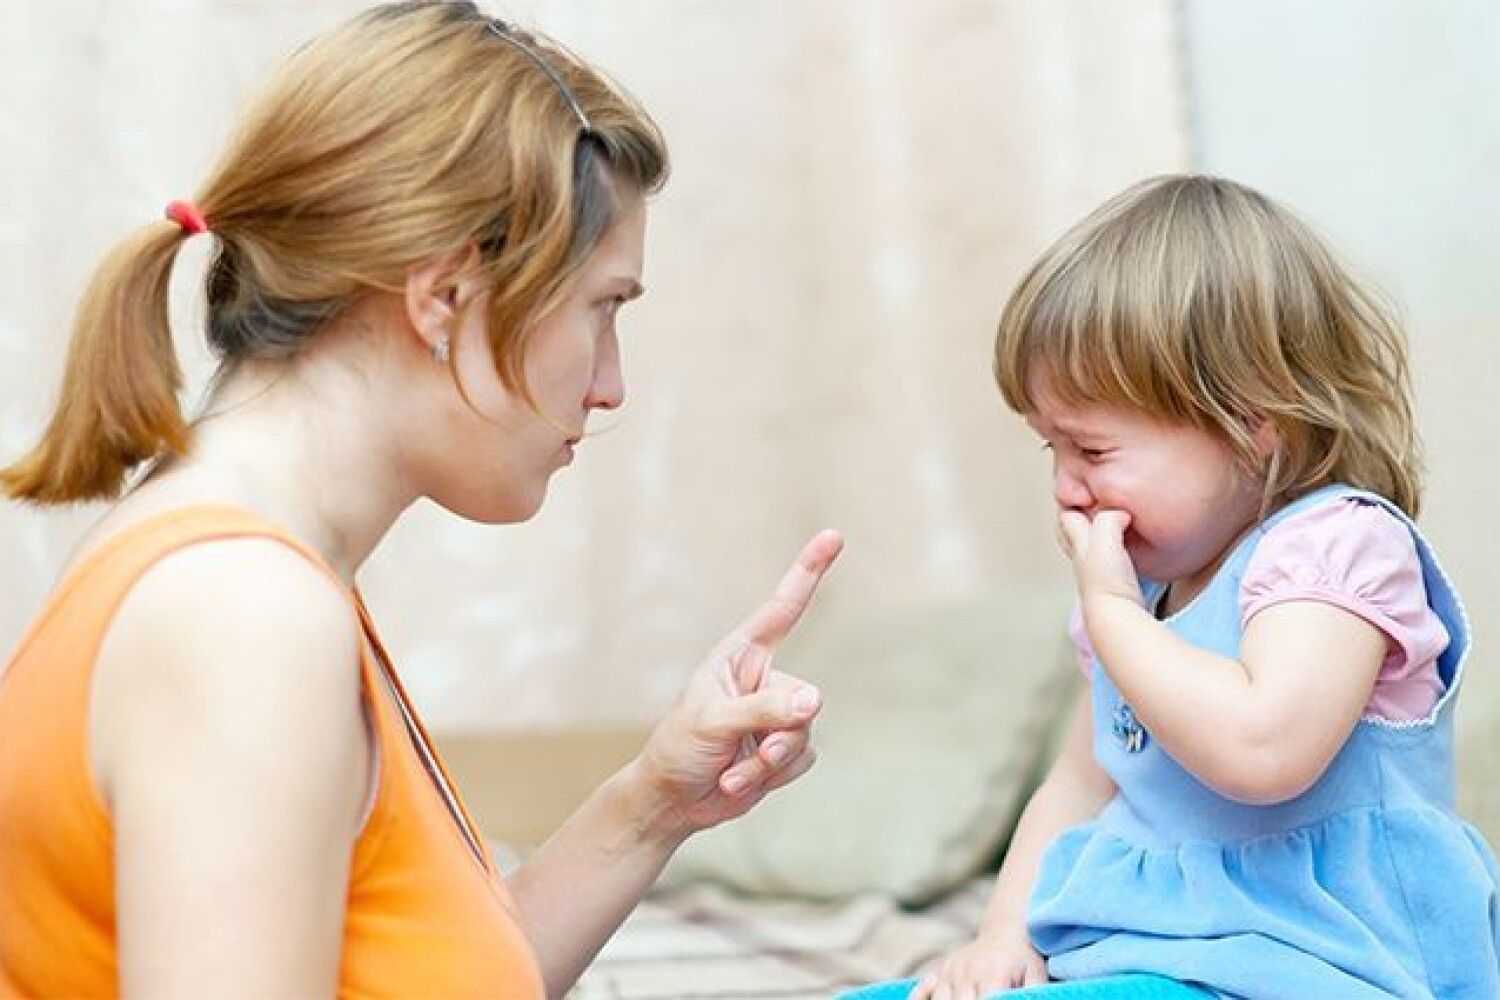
(1069,489)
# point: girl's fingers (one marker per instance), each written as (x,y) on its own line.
(1112,523)
(1073,531)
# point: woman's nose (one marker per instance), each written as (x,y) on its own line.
(608,389)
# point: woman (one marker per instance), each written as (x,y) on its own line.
(211,781)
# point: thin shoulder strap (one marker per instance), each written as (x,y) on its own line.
(134,548)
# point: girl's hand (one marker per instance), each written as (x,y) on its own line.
(988,964)
(1101,566)
(740,729)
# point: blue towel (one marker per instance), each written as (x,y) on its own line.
(1127,987)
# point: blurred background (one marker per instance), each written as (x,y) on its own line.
(857,184)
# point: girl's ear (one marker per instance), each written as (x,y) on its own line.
(1265,435)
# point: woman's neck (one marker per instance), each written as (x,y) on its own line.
(302,445)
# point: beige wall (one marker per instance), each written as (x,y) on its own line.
(856,185)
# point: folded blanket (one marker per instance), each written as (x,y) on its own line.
(704,943)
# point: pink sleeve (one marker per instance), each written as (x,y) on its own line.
(1080,636)
(1357,556)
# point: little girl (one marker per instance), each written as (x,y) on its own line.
(1255,797)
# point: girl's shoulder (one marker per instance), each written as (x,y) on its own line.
(1348,546)
(1358,556)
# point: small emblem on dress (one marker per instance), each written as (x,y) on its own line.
(1128,730)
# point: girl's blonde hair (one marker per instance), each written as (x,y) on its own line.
(407,133)
(1197,299)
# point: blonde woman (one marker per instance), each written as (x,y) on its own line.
(1255,797)
(211,780)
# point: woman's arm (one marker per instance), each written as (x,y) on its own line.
(228,740)
(739,731)
(578,887)
(1261,728)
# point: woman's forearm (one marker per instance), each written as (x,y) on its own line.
(576,889)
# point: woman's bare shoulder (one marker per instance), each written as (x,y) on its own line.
(228,640)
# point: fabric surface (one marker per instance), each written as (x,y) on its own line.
(1366,885)
(708,943)
(1127,987)
(426,915)
(934,726)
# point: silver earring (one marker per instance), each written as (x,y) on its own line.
(440,351)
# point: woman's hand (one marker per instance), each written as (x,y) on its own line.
(1096,548)
(988,964)
(740,728)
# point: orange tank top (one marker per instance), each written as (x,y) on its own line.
(427,914)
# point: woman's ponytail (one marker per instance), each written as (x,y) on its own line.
(118,405)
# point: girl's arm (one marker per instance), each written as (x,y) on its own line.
(1074,791)
(228,741)
(1001,956)
(1262,728)
(1259,729)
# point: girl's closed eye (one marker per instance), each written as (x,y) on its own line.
(1089,454)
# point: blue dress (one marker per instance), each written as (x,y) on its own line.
(1365,885)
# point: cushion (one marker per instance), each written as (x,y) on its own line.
(936,722)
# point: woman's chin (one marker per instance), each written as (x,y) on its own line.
(512,508)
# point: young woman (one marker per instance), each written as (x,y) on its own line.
(211,780)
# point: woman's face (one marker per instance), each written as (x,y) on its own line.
(498,454)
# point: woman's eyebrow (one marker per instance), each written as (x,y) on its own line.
(633,288)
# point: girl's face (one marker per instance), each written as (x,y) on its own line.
(1188,496)
(496,454)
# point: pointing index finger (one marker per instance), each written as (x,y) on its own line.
(768,624)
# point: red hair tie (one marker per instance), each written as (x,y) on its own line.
(186,215)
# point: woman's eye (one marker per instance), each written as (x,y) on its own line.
(1093,454)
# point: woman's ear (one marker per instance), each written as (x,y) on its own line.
(438,291)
